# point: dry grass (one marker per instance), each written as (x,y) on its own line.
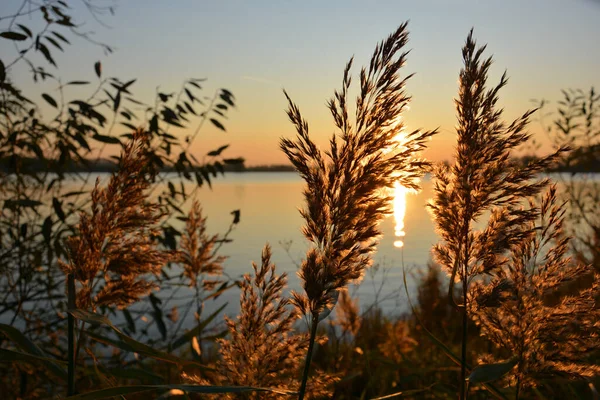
(197,251)
(345,186)
(484,180)
(115,246)
(541,306)
(348,313)
(344,193)
(263,350)
(515,278)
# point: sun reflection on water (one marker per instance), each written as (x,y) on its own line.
(399,213)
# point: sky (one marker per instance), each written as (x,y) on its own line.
(257,48)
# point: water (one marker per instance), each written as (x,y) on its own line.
(269,204)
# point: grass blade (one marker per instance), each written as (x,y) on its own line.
(494,391)
(127,343)
(32,349)
(186,337)
(490,372)
(123,390)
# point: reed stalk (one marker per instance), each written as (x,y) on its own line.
(348,186)
(313,334)
(71,296)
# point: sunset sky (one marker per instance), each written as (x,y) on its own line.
(256,48)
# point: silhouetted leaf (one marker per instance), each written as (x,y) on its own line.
(170,117)
(219,167)
(236,216)
(126,115)
(13,36)
(227,97)
(117,101)
(42,47)
(44,11)
(106,139)
(50,100)
(13,204)
(54,43)
(158,315)
(78,83)
(172,189)
(205,175)
(23,343)
(212,170)
(190,95)
(490,372)
(82,141)
(98,69)
(129,319)
(126,85)
(217,124)
(57,205)
(66,21)
(2,72)
(128,125)
(131,99)
(25,29)
(61,37)
(198,178)
(189,107)
(127,343)
(219,112)
(11,355)
(217,151)
(47,229)
(164,97)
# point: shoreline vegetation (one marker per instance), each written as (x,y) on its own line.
(97,280)
(581,160)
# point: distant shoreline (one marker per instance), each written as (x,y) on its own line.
(108,166)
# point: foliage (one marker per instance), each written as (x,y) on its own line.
(542,303)
(263,349)
(50,148)
(481,180)
(578,125)
(120,240)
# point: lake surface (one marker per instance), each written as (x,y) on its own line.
(269,204)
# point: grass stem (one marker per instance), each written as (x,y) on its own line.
(71,335)
(311,344)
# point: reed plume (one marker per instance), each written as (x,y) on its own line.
(197,251)
(345,186)
(263,350)
(482,179)
(541,305)
(115,248)
(348,313)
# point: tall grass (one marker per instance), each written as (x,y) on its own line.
(482,180)
(345,201)
(527,312)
